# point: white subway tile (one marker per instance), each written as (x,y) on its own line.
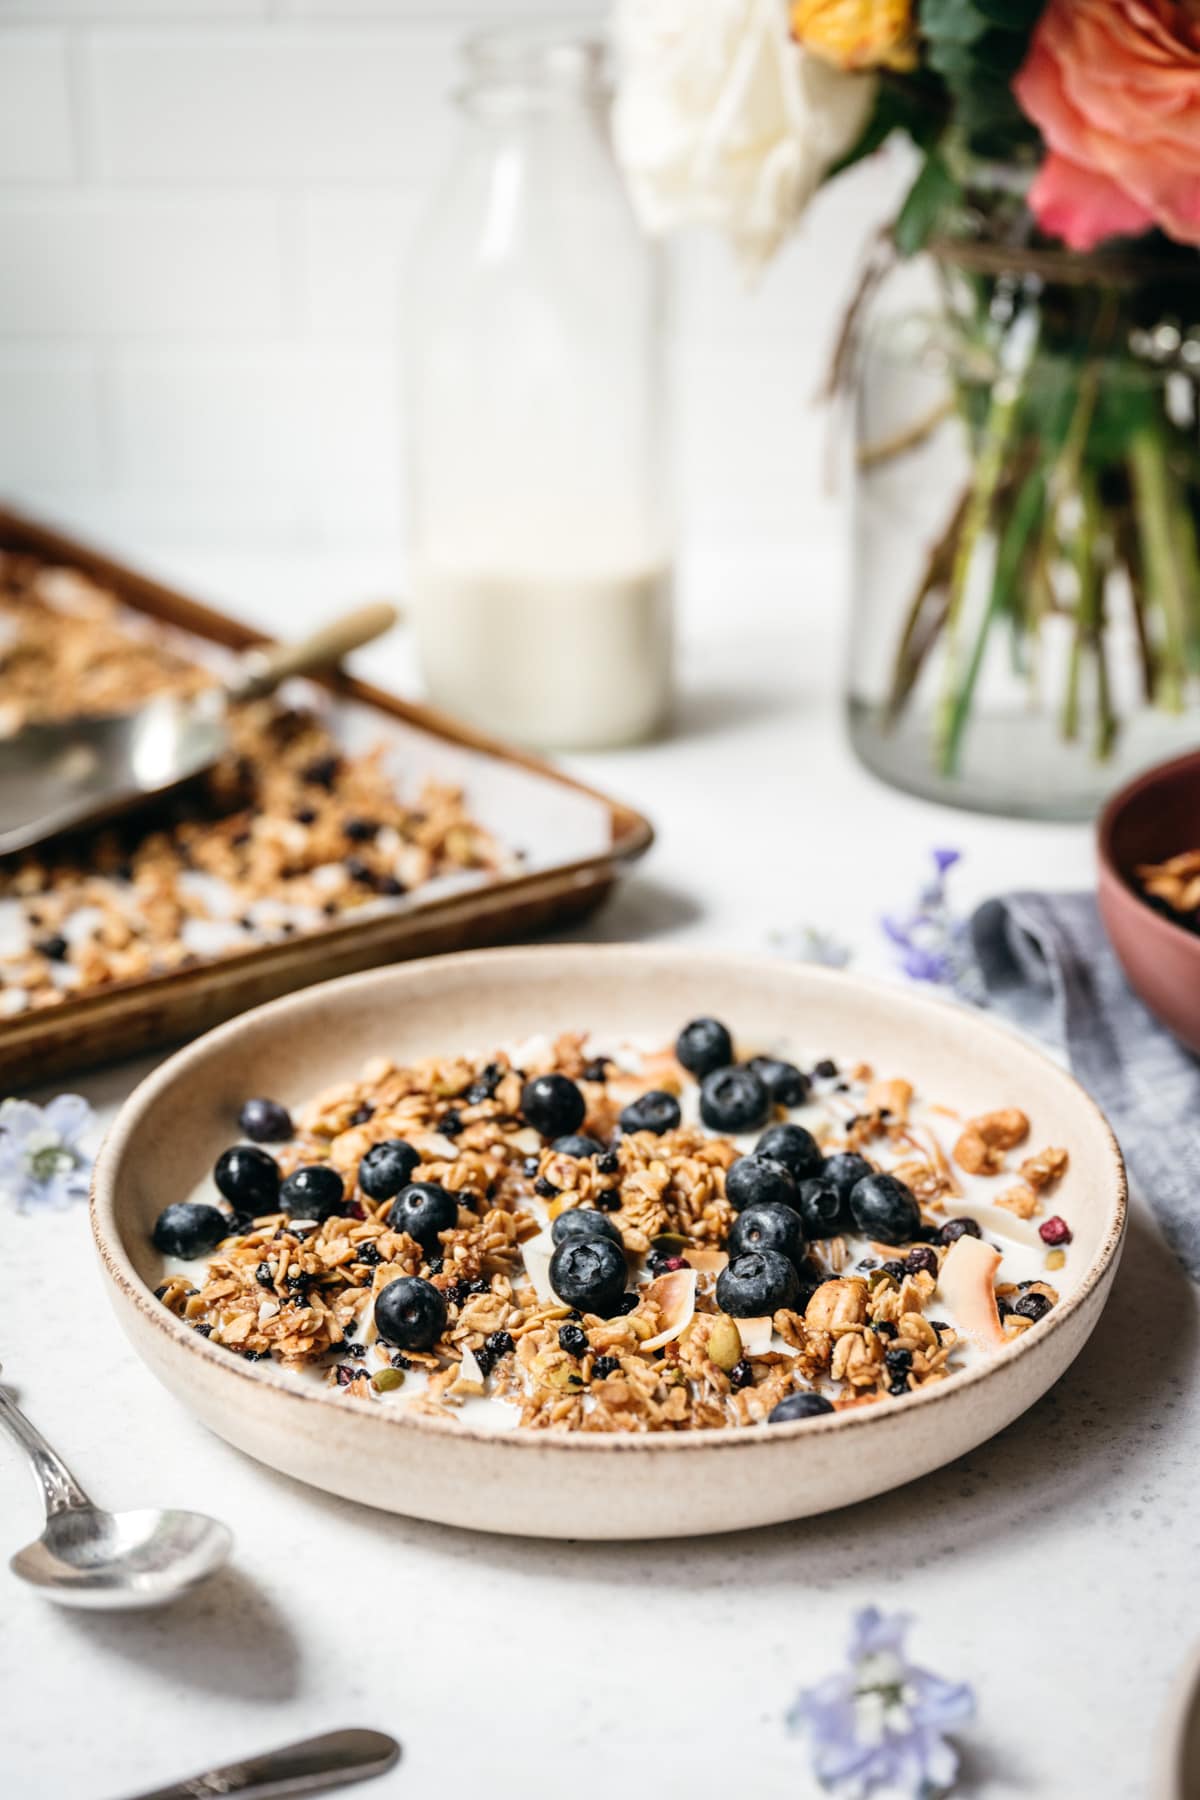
(100,264)
(290,104)
(469,12)
(108,12)
(35,116)
(49,421)
(353,249)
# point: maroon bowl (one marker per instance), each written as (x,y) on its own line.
(1153,818)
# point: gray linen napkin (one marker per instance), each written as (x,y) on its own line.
(1047,966)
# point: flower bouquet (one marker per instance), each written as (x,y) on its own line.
(1056,201)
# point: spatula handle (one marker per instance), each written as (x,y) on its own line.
(263,668)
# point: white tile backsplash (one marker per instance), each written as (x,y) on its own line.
(205,211)
(36,135)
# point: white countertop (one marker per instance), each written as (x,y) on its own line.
(1054,1568)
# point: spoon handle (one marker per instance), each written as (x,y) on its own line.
(266,666)
(312,1766)
(60,1490)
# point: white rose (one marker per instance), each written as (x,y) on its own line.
(722,119)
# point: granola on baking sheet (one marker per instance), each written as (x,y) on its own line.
(413,1237)
(288,835)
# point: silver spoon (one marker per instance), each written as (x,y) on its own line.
(56,777)
(86,1557)
(310,1767)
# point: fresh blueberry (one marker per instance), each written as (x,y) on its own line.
(387,1167)
(424,1210)
(266,1121)
(734,1099)
(410,1313)
(782,1080)
(884,1209)
(793,1146)
(249,1179)
(769,1225)
(655,1111)
(756,1283)
(553,1105)
(577,1145)
(590,1273)
(314,1192)
(755,1180)
(189,1228)
(821,1210)
(846,1169)
(956,1228)
(798,1406)
(703,1046)
(1029,1306)
(582,1222)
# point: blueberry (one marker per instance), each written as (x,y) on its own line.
(581,1222)
(573,1339)
(1029,1306)
(410,1313)
(798,1406)
(248,1178)
(884,1209)
(577,1145)
(734,1099)
(755,1180)
(956,1228)
(793,1146)
(703,1046)
(552,1105)
(266,1121)
(603,1367)
(846,1170)
(782,1080)
(756,1283)
(590,1273)
(313,1192)
(189,1228)
(769,1225)
(655,1111)
(922,1257)
(821,1210)
(424,1210)
(386,1168)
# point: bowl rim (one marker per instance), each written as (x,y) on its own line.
(517,1441)
(1111,871)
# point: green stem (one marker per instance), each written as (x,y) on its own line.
(1152,489)
(1083,559)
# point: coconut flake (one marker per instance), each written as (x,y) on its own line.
(706,1262)
(755,1335)
(537,1253)
(675,1295)
(965,1282)
(1001,1221)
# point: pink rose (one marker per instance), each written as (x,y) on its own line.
(1114,86)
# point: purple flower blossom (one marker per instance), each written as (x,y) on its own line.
(41,1162)
(933,942)
(880,1723)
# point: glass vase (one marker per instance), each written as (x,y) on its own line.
(537,421)
(1026,581)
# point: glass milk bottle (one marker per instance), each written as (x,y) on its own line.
(541,571)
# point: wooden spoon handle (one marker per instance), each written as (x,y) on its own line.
(263,668)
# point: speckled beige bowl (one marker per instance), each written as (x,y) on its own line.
(558,1485)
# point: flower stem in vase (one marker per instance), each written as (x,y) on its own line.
(1153,497)
(1087,598)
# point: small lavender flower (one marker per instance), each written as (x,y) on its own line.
(809,944)
(42,1165)
(880,1722)
(933,943)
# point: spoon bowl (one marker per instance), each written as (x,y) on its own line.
(148,1557)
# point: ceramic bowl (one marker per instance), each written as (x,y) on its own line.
(1154,817)
(561,1485)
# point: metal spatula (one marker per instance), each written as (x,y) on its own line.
(74,772)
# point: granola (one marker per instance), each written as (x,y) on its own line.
(442,1272)
(290,834)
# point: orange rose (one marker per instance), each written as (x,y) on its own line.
(1114,86)
(856,34)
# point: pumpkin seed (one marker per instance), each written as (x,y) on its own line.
(725,1343)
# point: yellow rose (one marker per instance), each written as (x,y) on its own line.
(857,34)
